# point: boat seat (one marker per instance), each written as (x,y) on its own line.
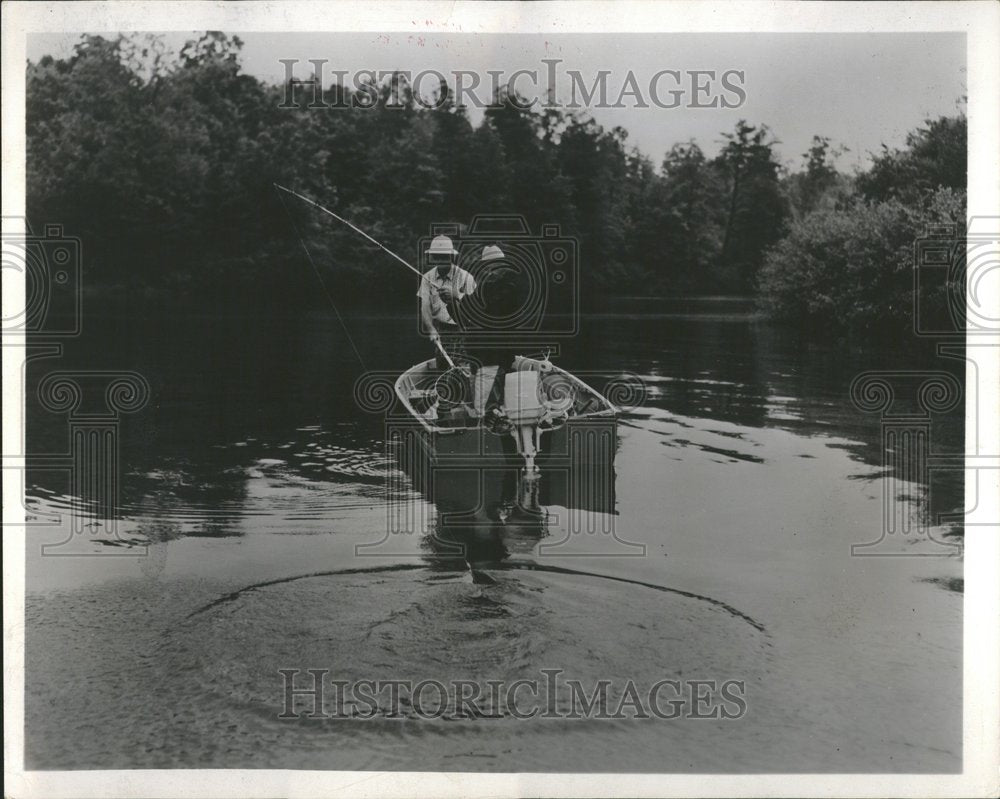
(457,416)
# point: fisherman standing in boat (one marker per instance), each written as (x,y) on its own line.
(442,290)
(500,295)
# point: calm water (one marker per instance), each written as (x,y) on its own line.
(264,524)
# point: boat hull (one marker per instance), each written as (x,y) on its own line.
(576,453)
(577,440)
(465,469)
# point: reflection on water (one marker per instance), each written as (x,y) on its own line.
(280,395)
(489,507)
(265,522)
(507,518)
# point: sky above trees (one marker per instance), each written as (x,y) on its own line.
(163,162)
(859,90)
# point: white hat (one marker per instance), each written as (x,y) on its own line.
(441,245)
(491,253)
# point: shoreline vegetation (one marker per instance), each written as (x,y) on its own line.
(162,163)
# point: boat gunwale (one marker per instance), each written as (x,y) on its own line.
(609,408)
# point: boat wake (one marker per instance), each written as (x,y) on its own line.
(481,577)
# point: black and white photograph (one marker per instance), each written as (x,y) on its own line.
(501,399)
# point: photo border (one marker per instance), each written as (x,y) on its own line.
(979,20)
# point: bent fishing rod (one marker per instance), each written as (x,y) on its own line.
(378,244)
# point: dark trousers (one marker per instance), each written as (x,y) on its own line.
(503,358)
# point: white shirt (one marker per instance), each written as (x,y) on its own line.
(461,283)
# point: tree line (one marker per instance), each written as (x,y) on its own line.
(163,163)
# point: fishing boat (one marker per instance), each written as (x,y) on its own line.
(546,409)
(541,402)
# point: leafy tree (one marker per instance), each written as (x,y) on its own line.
(935,156)
(535,188)
(643,244)
(757,208)
(819,185)
(852,269)
(595,167)
(690,214)
(164,163)
(488,185)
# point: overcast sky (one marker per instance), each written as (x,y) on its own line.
(861,90)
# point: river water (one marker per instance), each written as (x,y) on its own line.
(259,529)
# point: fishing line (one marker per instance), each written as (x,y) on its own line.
(356,229)
(352,226)
(320,278)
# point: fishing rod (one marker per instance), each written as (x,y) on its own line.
(378,244)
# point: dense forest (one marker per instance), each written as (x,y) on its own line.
(163,164)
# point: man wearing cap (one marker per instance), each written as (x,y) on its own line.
(442,289)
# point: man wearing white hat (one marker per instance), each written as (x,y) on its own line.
(442,289)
